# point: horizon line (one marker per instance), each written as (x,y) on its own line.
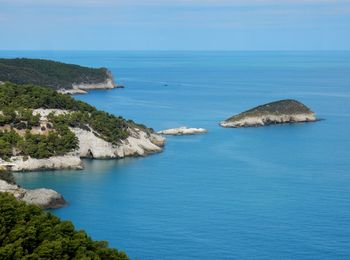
(175,50)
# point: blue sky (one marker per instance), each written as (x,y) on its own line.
(174,25)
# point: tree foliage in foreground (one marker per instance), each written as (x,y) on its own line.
(28,232)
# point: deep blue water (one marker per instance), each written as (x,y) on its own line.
(278,192)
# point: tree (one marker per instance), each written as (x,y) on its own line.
(28,232)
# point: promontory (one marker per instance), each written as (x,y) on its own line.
(278,112)
(65,78)
(41,129)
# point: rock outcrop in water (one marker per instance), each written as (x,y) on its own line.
(183,131)
(278,112)
(45,198)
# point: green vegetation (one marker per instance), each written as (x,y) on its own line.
(49,73)
(7,176)
(20,118)
(32,97)
(17,103)
(102,123)
(37,145)
(28,232)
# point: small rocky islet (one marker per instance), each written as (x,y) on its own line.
(278,112)
(183,131)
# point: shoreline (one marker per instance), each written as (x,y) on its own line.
(83,88)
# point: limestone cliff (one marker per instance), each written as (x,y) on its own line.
(140,142)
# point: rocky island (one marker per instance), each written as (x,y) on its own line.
(183,131)
(41,129)
(65,78)
(278,112)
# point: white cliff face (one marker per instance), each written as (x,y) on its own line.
(45,198)
(269,119)
(82,88)
(108,84)
(183,131)
(19,163)
(139,143)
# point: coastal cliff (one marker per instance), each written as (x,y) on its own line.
(83,87)
(139,143)
(90,145)
(37,138)
(65,78)
(278,112)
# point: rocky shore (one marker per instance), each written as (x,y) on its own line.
(278,112)
(19,163)
(45,198)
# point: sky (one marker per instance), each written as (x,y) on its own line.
(174,25)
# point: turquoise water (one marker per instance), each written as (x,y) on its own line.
(278,192)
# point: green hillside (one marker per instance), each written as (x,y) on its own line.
(49,73)
(17,122)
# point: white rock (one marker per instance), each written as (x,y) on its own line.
(139,143)
(45,198)
(267,119)
(71,91)
(183,131)
(108,84)
(17,163)
(45,112)
(82,88)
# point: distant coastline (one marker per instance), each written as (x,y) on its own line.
(63,77)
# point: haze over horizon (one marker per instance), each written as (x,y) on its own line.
(175,25)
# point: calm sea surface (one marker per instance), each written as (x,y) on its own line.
(278,192)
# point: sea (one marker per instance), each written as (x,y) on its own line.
(274,192)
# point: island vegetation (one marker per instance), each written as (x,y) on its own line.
(48,73)
(28,232)
(277,112)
